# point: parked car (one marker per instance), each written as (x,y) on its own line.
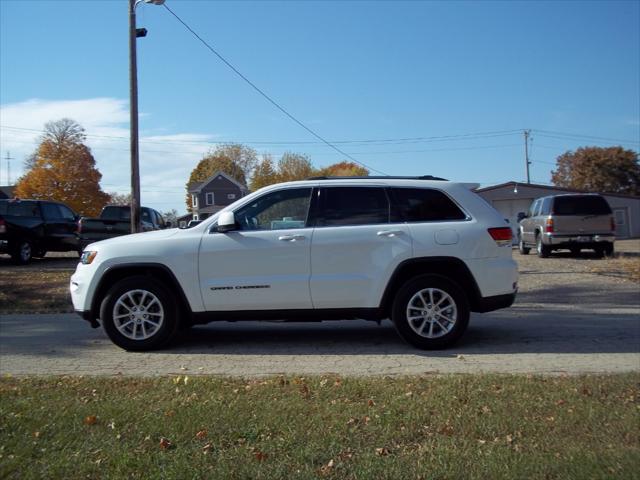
(572,221)
(31,228)
(424,253)
(115,220)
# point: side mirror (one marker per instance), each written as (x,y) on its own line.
(226,222)
(521,215)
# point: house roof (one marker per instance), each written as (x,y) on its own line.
(198,186)
(6,191)
(512,183)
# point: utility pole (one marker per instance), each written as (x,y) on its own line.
(8,158)
(133,111)
(526,153)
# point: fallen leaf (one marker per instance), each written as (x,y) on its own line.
(186,379)
(509,438)
(561,402)
(36,434)
(169,413)
(260,456)
(207,448)
(304,390)
(183,368)
(365,420)
(460,357)
(371,403)
(90,420)
(383,451)
(323,382)
(201,434)
(112,425)
(177,379)
(326,469)
(165,444)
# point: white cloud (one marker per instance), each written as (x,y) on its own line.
(165,160)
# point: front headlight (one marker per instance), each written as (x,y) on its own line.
(87,257)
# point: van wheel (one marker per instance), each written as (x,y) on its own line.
(430,312)
(22,252)
(575,251)
(543,250)
(139,313)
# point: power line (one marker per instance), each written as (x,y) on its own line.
(557,134)
(389,141)
(273,102)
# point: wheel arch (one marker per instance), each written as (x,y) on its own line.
(157,271)
(451,268)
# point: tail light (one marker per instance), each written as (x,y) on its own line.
(3,227)
(548,225)
(79,229)
(501,235)
(613,224)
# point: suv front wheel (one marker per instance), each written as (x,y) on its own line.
(139,313)
(430,312)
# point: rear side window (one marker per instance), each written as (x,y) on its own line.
(423,205)
(581,205)
(546,206)
(20,209)
(353,206)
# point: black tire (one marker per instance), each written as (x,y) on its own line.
(521,246)
(543,250)
(599,252)
(40,254)
(575,251)
(22,252)
(164,333)
(609,250)
(409,291)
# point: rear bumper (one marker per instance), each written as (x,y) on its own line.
(586,241)
(489,304)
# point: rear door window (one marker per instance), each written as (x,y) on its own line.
(546,206)
(50,211)
(581,205)
(341,206)
(423,205)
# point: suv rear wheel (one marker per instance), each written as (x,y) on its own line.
(22,252)
(543,250)
(139,313)
(522,248)
(430,312)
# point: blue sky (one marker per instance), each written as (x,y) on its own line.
(349,70)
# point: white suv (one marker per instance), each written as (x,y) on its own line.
(421,251)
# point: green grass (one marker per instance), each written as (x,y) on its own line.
(484,427)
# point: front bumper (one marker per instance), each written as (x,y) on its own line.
(556,240)
(88,316)
(489,304)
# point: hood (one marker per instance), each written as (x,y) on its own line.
(135,238)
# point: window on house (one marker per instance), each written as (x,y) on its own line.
(209,198)
(231,196)
(194,200)
(195,217)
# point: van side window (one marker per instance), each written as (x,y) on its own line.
(546,206)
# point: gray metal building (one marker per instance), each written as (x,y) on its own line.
(513,197)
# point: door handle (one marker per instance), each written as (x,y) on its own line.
(389,233)
(290,238)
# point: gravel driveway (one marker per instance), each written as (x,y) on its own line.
(567,319)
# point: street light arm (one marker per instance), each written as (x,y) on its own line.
(154,2)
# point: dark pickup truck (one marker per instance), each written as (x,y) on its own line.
(31,228)
(115,220)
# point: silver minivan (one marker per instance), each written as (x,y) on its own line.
(571,221)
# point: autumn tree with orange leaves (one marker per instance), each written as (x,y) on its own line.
(63,169)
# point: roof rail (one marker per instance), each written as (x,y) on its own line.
(385,177)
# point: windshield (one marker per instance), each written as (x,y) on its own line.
(581,205)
